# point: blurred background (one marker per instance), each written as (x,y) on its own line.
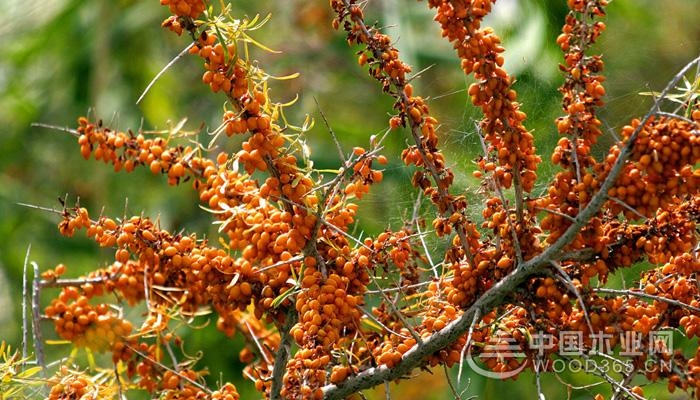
(65,58)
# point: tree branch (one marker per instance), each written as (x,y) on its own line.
(624,292)
(283,353)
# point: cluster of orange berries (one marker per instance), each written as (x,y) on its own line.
(466,283)
(565,196)
(673,280)
(306,374)
(669,233)
(329,317)
(240,206)
(437,315)
(662,166)
(262,150)
(126,150)
(434,178)
(390,351)
(582,93)
(386,67)
(167,256)
(177,385)
(363,174)
(86,325)
(203,274)
(226,392)
(70,385)
(479,49)
(492,343)
(550,302)
(185,8)
(326,310)
(425,153)
(693,373)
(582,89)
(226,72)
(396,249)
(223,190)
(382,58)
(471,279)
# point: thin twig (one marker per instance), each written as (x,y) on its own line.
(25,296)
(55,127)
(453,389)
(51,210)
(59,283)
(674,116)
(374,319)
(165,367)
(146,291)
(253,336)
(647,296)
(433,266)
(574,387)
(36,320)
(611,381)
(468,343)
(627,206)
(623,383)
(398,289)
(395,310)
(566,216)
(570,285)
(173,358)
(162,71)
(330,131)
(117,379)
(540,395)
(281,263)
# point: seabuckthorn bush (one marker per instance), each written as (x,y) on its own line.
(325,313)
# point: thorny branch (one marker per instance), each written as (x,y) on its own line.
(416,135)
(644,295)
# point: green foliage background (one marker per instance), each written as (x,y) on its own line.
(65,58)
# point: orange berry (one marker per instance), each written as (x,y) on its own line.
(155,167)
(310,261)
